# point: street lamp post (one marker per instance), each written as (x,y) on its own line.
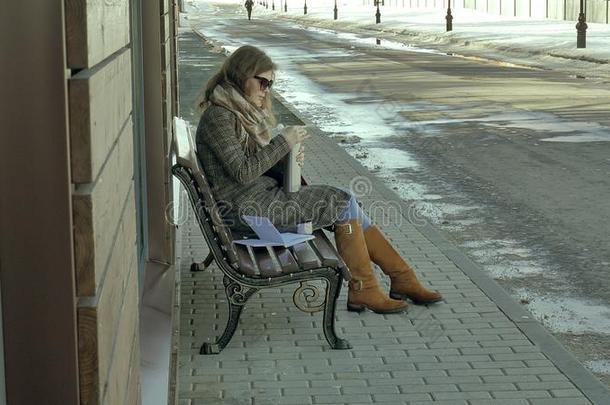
(378,13)
(305,8)
(449,17)
(581,27)
(335,10)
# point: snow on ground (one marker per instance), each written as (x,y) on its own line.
(478,29)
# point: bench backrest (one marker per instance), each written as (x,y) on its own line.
(200,194)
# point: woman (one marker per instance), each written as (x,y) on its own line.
(242,161)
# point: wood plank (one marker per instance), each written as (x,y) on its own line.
(166,83)
(132,396)
(287,261)
(305,255)
(325,252)
(100,316)
(97,210)
(126,339)
(266,265)
(174,75)
(95,29)
(246,265)
(167,110)
(100,105)
(165,26)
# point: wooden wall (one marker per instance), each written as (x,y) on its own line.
(104,210)
(158,83)
(102,167)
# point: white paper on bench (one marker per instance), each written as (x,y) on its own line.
(269,235)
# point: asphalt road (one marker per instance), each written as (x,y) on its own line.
(512,163)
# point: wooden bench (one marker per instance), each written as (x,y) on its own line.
(247,270)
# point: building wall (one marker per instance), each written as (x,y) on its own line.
(104,214)
(102,142)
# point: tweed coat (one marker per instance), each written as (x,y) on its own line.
(250,184)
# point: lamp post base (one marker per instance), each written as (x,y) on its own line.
(581,29)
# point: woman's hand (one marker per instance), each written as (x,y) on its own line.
(295,134)
(301,156)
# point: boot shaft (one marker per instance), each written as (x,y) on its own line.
(352,249)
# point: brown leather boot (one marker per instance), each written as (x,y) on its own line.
(404,281)
(364,291)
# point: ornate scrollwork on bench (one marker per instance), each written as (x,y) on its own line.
(237,294)
(308,298)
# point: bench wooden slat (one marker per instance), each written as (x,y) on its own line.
(325,251)
(306,257)
(266,265)
(246,265)
(286,259)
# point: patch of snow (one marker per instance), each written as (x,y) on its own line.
(599,366)
(566,314)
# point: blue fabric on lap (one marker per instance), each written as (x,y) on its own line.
(353,211)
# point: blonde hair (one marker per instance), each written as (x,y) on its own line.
(245,62)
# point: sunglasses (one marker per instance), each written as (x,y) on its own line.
(264,82)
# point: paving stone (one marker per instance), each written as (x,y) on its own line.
(498,402)
(280,384)
(430,388)
(479,372)
(521,394)
(454,380)
(408,396)
(444,366)
(553,377)
(340,399)
(561,401)
(509,378)
(373,390)
(305,391)
(461,395)
(545,385)
(338,383)
(568,392)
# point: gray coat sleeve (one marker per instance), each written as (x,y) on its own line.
(222,138)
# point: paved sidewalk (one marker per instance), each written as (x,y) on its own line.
(477,347)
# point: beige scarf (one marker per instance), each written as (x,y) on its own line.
(255,132)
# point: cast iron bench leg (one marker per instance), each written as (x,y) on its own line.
(332,293)
(208,260)
(237,296)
